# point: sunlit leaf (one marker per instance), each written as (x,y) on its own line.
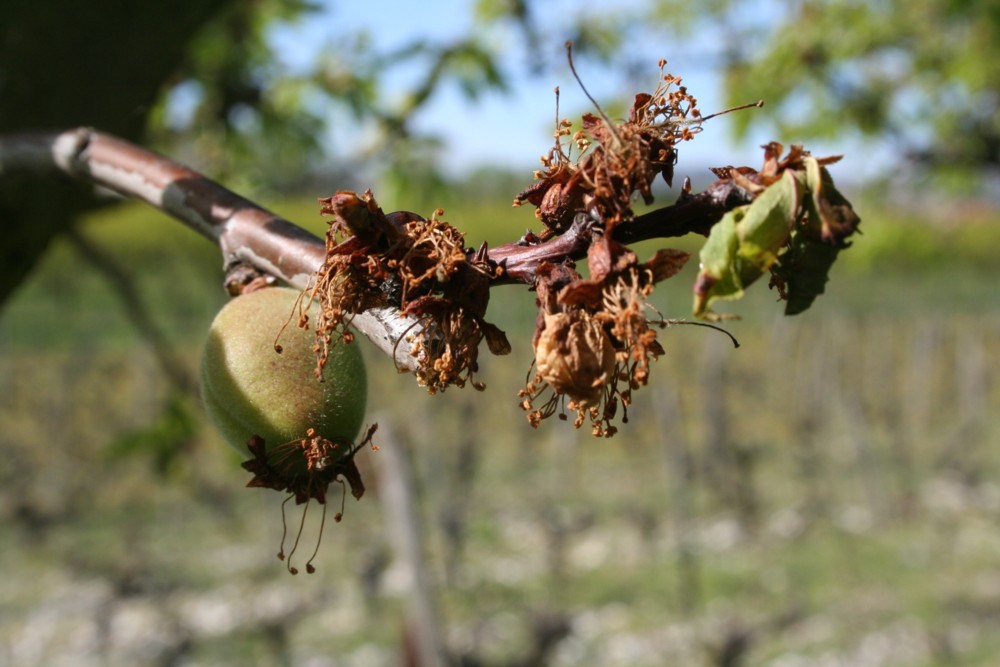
(744,245)
(828,219)
(767,224)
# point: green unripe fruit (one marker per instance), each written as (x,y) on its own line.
(249,389)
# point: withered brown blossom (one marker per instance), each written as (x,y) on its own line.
(324,461)
(616,160)
(593,336)
(417,264)
(754,181)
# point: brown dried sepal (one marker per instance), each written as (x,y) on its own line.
(420,266)
(616,159)
(305,468)
(593,339)
(322,460)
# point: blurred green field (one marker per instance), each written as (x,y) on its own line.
(828,494)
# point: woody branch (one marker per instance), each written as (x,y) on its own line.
(247,233)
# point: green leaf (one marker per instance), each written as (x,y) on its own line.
(744,244)
(828,219)
(717,278)
(804,272)
(765,229)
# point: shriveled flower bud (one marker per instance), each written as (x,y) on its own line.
(575,356)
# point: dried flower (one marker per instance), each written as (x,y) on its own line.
(616,159)
(575,356)
(420,266)
(594,340)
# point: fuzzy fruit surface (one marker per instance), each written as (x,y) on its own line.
(250,389)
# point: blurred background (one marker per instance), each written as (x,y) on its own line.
(828,494)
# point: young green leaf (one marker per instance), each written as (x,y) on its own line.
(767,225)
(744,244)
(719,278)
(816,240)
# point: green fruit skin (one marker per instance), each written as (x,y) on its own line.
(250,389)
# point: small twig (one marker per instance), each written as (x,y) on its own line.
(750,105)
(692,214)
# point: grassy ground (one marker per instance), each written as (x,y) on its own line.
(828,494)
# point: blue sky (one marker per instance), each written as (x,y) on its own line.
(512,129)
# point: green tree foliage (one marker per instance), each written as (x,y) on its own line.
(924,73)
(252,115)
(245,118)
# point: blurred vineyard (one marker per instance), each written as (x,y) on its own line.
(828,494)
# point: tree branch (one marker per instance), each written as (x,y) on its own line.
(691,214)
(247,233)
(244,231)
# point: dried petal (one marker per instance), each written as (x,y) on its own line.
(666,263)
(496,339)
(575,356)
